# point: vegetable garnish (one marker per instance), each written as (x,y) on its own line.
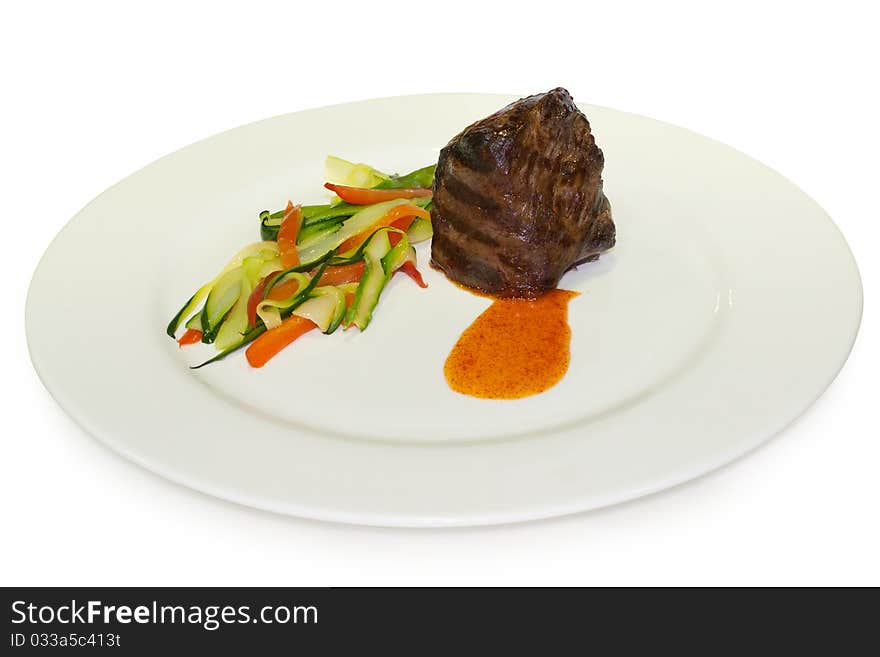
(190,337)
(318,266)
(256,297)
(258,248)
(287,234)
(283,290)
(404,224)
(273,341)
(362,196)
(348,173)
(410,270)
(343,274)
(423,177)
(365,218)
(399,214)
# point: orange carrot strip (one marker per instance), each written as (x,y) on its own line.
(283,290)
(394,214)
(264,348)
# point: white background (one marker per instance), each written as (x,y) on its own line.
(94,91)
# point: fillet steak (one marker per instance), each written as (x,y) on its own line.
(518,198)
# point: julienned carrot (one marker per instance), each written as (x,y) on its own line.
(191,336)
(343,274)
(287,234)
(362,196)
(274,340)
(397,213)
(283,290)
(332,276)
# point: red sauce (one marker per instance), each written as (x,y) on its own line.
(516,348)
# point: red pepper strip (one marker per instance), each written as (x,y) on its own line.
(410,270)
(342,274)
(274,340)
(255,298)
(287,234)
(396,213)
(362,196)
(190,337)
(402,224)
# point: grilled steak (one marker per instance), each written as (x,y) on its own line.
(518,198)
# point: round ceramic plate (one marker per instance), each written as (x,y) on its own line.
(728,305)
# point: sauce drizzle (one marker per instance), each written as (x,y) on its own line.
(515,348)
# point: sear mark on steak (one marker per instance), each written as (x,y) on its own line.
(518,199)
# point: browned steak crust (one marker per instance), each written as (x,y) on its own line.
(518,198)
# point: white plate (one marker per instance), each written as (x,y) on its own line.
(728,306)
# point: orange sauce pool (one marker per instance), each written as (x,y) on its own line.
(516,348)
